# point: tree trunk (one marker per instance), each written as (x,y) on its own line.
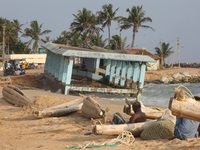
(66,105)
(133,38)
(57,112)
(109,36)
(135,128)
(8,46)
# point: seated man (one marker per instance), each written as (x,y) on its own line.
(185,128)
(138,116)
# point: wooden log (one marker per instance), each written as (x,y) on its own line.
(57,112)
(134,128)
(66,105)
(185,109)
(19,91)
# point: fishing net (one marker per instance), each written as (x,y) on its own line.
(125,137)
(161,129)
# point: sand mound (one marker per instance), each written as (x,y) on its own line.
(43,101)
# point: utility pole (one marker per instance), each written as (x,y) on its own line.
(178,55)
(177,44)
(4,27)
(161,52)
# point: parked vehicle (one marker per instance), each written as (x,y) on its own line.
(15,68)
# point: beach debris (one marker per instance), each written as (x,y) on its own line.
(59,110)
(135,128)
(92,109)
(161,129)
(184,105)
(15,96)
(124,137)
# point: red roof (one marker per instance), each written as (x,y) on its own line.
(145,52)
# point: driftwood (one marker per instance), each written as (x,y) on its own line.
(57,112)
(185,109)
(66,105)
(134,128)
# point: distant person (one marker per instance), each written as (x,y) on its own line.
(5,65)
(137,117)
(83,66)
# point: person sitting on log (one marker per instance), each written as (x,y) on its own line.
(137,117)
(186,128)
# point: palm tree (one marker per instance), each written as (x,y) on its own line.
(106,16)
(135,19)
(34,32)
(17,26)
(65,37)
(85,22)
(11,33)
(118,43)
(164,52)
(2,23)
(97,40)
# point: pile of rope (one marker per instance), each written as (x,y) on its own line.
(181,95)
(125,137)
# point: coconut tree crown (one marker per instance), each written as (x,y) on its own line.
(35,31)
(136,18)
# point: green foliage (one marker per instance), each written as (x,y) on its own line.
(165,51)
(34,32)
(118,43)
(97,40)
(85,22)
(135,19)
(106,16)
(19,47)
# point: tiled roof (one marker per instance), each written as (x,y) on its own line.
(139,52)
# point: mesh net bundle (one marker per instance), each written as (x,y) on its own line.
(161,129)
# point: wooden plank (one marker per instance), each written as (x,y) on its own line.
(69,75)
(61,68)
(97,62)
(129,74)
(65,66)
(107,74)
(141,79)
(118,69)
(103,90)
(112,71)
(123,74)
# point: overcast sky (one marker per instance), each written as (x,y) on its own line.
(171,19)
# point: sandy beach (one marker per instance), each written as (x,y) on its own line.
(20,130)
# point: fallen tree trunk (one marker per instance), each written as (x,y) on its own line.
(66,105)
(185,109)
(56,112)
(134,128)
